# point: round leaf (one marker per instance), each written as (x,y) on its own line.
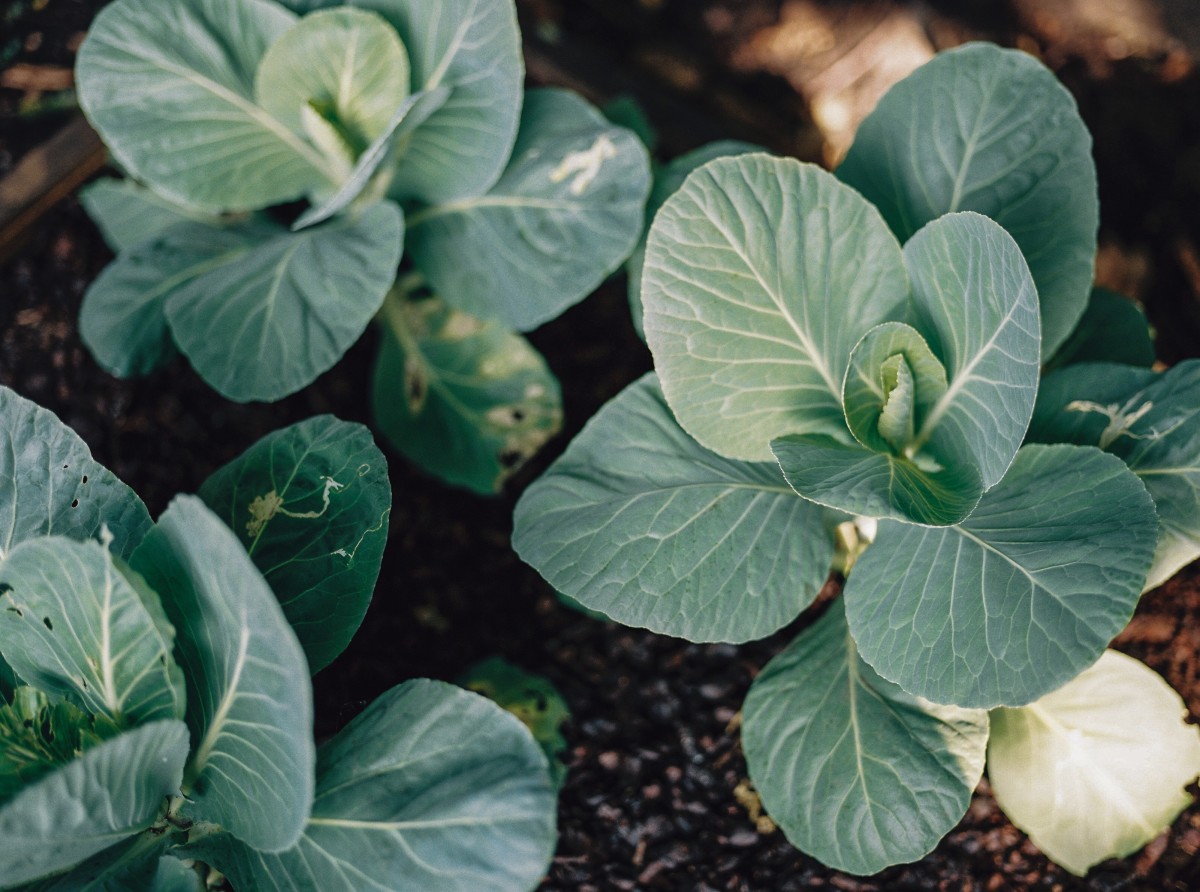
(50,485)
(761,275)
(169,86)
(1113,329)
(260,311)
(310,503)
(639,522)
(858,773)
(1018,598)
(667,179)
(110,792)
(1097,768)
(430,784)
(347,65)
(565,214)
(1152,422)
(249,698)
(990,130)
(465,399)
(473,47)
(127,213)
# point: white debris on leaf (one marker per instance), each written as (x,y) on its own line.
(585,164)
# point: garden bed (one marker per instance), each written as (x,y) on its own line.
(656,797)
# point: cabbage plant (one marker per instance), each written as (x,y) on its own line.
(279,167)
(846,369)
(156,718)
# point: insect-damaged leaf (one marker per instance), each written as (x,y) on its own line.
(566,213)
(1150,420)
(50,485)
(857,772)
(310,503)
(71,624)
(464,398)
(990,130)
(432,784)
(249,698)
(640,522)
(170,87)
(761,275)
(1018,598)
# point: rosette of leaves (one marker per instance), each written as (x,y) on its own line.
(156,707)
(865,349)
(279,167)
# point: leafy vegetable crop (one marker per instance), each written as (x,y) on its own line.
(279,163)
(856,359)
(155,707)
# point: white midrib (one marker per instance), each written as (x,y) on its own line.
(216,725)
(435,79)
(314,158)
(852,678)
(107,669)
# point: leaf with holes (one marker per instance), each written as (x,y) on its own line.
(249,699)
(72,625)
(857,772)
(430,783)
(50,485)
(310,503)
(464,398)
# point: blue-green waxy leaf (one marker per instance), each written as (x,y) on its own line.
(109,793)
(71,624)
(133,863)
(667,179)
(310,503)
(370,176)
(170,87)
(860,481)
(565,214)
(1097,768)
(858,773)
(1113,329)
(127,213)
(50,485)
(249,698)
(474,48)
(761,275)
(1150,420)
(990,130)
(8,680)
(466,399)
(1018,598)
(259,311)
(976,304)
(638,521)
(431,788)
(338,74)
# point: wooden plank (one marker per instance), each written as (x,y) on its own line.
(45,176)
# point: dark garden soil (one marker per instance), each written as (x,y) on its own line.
(656,797)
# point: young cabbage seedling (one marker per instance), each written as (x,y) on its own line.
(155,702)
(866,349)
(278,165)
